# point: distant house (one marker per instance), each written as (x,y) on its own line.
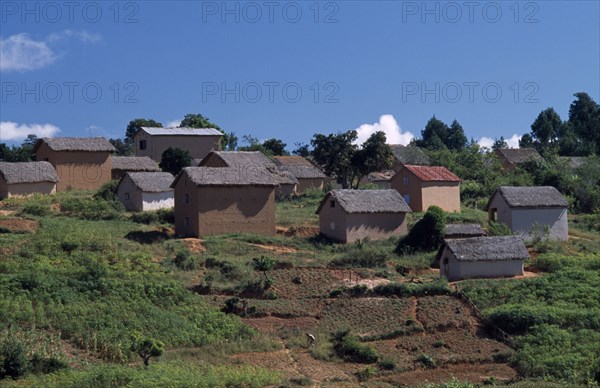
(143,191)
(152,142)
(573,162)
(521,208)
(82,163)
(223,200)
(287,184)
(309,176)
(410,154)
(124,164)
(350,215)
(463,231)
(482,257)
(27,178)
(512,157)
(425,186)
(382,179)
(238,159)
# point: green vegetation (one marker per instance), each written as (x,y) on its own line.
(427,234)
(348,347)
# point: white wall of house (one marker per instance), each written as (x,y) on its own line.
(156,201)
(523,221)
(24,189)
(453,269)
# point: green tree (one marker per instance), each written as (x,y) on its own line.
(545,132)
(136,124)
(13,358)
(568,142)
(374,155)
(434,136)
(333,153)
(263,264)
(456,140)
(276,146)
(123,148)
(526,141)
(499,144)
(584,115)
(147,348)
(301,150)
(427,234)
(173,160)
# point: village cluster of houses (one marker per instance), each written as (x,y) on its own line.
(235,192)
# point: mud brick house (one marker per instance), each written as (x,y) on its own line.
(523,209)
(350,215)
(124,164)
(512,157)
(425,186)
(152,142)
(82,163)
(222,200)
(308,175)
(143,191)
(20,179)
(464,231)
(482,257)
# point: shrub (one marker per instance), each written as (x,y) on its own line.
(13,358)
(365,374)
(40,365)
(427,361)
(147,348)
(365,257)
(348,347)
(498,229)
(145,218)
(185,261)
(386,364)
(438,287)
(427,234)
(108,191)
(36,209)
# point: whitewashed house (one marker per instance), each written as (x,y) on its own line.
(482,257)
(523,209)
(143,191)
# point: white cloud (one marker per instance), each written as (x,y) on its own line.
(513,141)
(387,124)
(10,131)
(22,53)
(173,124)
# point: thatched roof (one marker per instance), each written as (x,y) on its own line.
(227,176)
(285,178)
(243,159)
(487,248)
(367,201)
(410,154)
(87,144)
(432,173)
(573,161)
(28,172)
(474,230)
(134,163)
(536,196)
(151,182)
(518,155)
(300,167)
(184,131)
(381,176)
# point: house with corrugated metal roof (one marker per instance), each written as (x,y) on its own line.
(82,163)
(27,178)
(351,215)
(143,191)
(425,186)
(530,210)
(152,142)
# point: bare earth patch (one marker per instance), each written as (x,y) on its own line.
(19,225)
(275,248)
(193,244)
(464,372)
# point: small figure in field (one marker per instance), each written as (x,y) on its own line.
(310,339)
(245,307)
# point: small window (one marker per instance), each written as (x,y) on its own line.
(187,221)
(127,196)
(186,198)
(142,144)
(405,180)
(331,203)
(407,198)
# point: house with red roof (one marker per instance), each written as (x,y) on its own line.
(424,186)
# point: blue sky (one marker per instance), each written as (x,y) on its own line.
(291,69)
